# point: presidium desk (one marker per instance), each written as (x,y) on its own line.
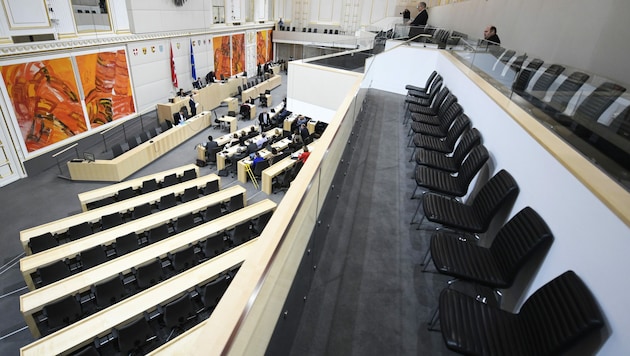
(119,168)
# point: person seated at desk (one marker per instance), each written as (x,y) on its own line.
(261,141)
(234,141)
(304,132)
(197,84)
(304,155)
(210,77)
(296,141)
(211,143)
(181,93)
(245,111)
(180,117)
(257,158)
(252,132)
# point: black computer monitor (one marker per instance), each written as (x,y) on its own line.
(88,156)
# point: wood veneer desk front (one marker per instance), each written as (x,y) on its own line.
(121,167)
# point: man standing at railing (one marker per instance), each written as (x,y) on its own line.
(420,21)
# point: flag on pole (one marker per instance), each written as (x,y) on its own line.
(193,72)
(173,73)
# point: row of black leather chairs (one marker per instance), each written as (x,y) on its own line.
(475,324)
(132,142)
(149,185)
(309,30)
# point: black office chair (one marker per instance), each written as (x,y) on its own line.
(149,274)
(539,90)
(149,186)
(111,220)
(183,259)
(212,212)
(132,142)
(210,187)
(449,162)
(436,117)
(157,233)
(433,107)
(109,292)
(191,193)
(42,242)
(565,92)
(443,144)
(165,126)
(92,257)
(53,272)
(427,99)
(241,233)
(184,222)
(62,313)
(212,292)
(452,113)
(132,337)
(413,90)
(236,202)
(144,137)
(141,211)
(126,244)
(592,107)
(188,175)
(125,193)
(167,201)
(169,180)
(475,215)
(211,157)
(213,246)
(259,225)
(552,321)
(523,78)
(78,231)
(100,203)
(177,313)
(259,167)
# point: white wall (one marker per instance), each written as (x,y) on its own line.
(317,92)
(580,33)
(589,238)
(161,16)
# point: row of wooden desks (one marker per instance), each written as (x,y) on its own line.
(261,88)
(111,190)
(94,215)
(29,264)
(278,167)
(33,302)
(264,153)
(119,168)
(231,151)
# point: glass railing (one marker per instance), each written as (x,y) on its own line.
(588,111)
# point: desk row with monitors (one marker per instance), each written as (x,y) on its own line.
(121,167)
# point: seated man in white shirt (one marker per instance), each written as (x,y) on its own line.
(261,141)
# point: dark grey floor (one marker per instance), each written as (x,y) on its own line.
(368,295)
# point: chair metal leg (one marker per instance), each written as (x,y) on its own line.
(416,213)
(413,154)
(426,259)
(434,320)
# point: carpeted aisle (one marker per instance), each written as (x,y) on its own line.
(369,296)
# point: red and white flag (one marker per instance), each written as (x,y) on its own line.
(173,73)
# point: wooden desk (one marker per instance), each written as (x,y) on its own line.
(231,120)
(260,88)
(264,153)
(277,168)
(84,331)
(121,167)
(232,103)
(94,215)
(165,111)
(33,302)
(111,190)
(223,140)
(288,121)
(29,264)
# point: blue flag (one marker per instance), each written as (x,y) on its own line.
(193,72)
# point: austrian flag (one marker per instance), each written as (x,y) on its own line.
(173,73)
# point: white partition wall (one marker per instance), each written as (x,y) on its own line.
(317,92)
(589,238)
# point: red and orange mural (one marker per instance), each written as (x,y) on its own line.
(221,46)
(263,47)
(106,84)
(45,98)
(238,53)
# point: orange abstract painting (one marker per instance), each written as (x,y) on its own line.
(221,46)
(106,84)
(45,98)
(263,47)
(238,53)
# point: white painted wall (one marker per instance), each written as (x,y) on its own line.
(580,33)
(161,16)
(589,238)
(316,91)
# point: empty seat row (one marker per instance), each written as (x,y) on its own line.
(475,324)
(309,29)
(104,294)
(147,186)
(133,142)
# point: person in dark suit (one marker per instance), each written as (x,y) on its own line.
(181,93)
(197,84)
(193,106)
(490,35)
(211,143)
(179,116)
(304,132)
(420,21)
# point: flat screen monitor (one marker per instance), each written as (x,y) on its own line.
(88,156)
